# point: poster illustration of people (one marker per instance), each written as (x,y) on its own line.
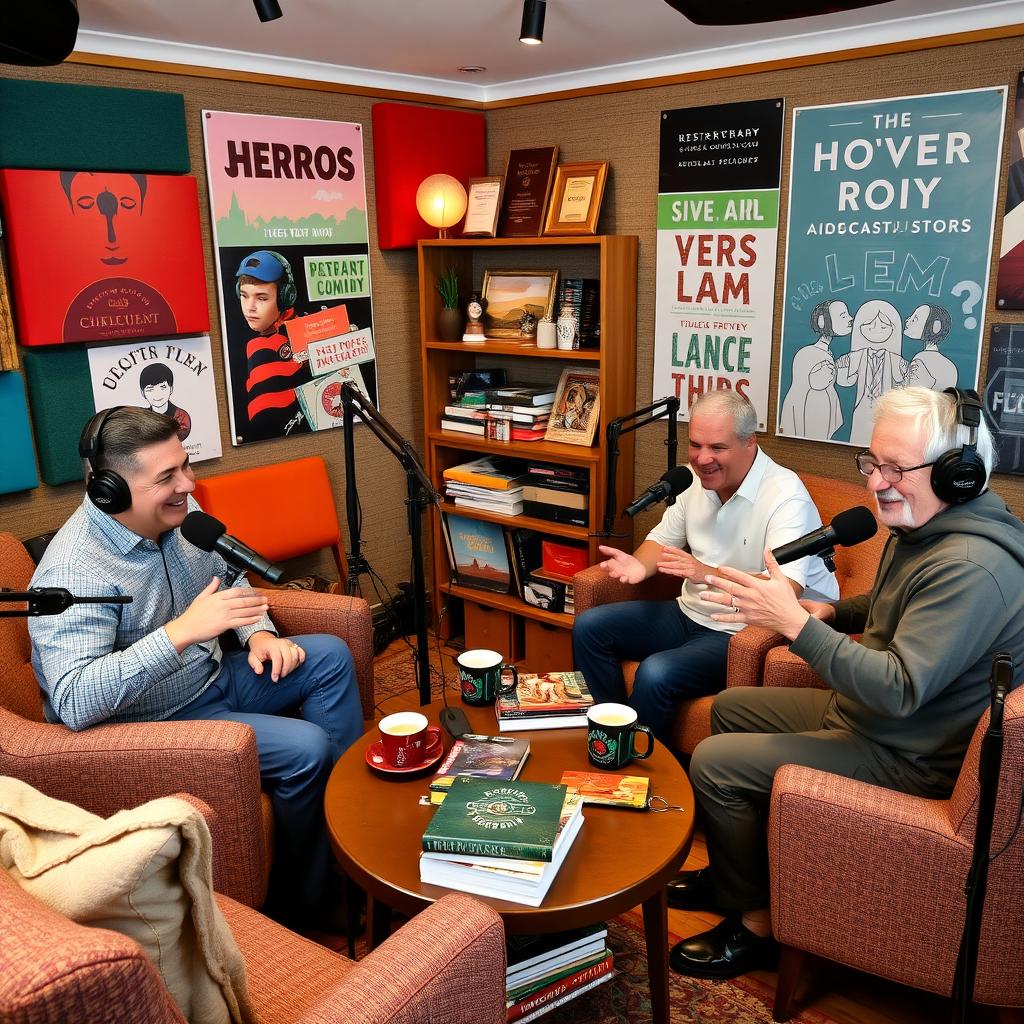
(1010,281)
(173,376)
(288,204)
(891,212)
(1004,396)
(718,219)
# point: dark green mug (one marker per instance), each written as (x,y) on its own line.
(480,673)
(612,730)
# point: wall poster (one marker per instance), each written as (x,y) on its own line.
(173,376)
(1010,282)
(288,204)
(891,212)
(718,219)
(1004,396)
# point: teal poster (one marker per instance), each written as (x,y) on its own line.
(889,245)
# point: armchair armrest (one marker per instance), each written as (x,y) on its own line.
(109,767)
(305,611)
(830,838)
(748,649)
(594,586)
(447,963)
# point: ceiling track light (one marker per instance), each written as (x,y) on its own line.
(267,10)
(532,31)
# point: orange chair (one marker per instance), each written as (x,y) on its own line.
(283,510)
(750,647)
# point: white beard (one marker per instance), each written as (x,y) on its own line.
(894,517)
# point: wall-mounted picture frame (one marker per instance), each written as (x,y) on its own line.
(483,205)
(576,411)
(511,293)
(576,198)
(529,174)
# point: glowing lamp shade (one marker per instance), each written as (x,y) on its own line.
(441,201)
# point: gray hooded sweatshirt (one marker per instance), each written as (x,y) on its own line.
(948,595)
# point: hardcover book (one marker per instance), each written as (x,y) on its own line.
(526,395)
(533,956)
(609,788)
(559,992)
(488,471)
(477,553)
(518,820)
(483,757)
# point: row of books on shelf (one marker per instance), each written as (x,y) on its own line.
(502,414)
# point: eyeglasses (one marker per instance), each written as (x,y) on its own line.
(890,474)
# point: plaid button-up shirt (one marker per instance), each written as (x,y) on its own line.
(114,663)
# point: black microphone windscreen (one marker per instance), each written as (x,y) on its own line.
(854,525)
(202,530)
(678,479)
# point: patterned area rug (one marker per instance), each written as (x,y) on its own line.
(626,998)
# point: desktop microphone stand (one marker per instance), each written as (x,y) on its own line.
(420,494)
(667,408)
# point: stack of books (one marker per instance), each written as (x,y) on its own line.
(545,700)
(545,971)
(523,410)
(559,494)
(480,757)
(488,484)
(505,840)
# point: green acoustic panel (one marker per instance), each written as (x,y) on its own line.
(60,397)
(88,128)
(17,461)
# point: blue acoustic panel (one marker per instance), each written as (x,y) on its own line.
(17,459)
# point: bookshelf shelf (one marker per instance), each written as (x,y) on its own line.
(613,260)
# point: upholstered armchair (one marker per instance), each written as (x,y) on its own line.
(108,767)
(874,879)
(752,647)
(446,964)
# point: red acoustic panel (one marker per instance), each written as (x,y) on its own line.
(410,144)
(97,256)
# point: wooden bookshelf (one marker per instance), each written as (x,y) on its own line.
(613,260)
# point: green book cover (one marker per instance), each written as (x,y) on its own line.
(503,819)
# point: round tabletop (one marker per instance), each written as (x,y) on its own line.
(620,858)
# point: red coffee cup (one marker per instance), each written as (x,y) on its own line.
(406,739)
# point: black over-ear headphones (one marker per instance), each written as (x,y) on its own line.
(108,491)
(959,474)
(287,293)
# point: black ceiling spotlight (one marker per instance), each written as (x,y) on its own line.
(749,12)
(267,10)
(37,34)
(532,31)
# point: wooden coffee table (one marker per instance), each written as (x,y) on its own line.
(620,858)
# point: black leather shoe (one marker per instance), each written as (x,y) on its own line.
(692,890)
(726,951)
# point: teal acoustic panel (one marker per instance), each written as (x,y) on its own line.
(89,128)
(17,459)
(60,397)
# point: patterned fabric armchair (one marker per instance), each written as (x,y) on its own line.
(750,647)
(446,964)
(875,879)
(108,767)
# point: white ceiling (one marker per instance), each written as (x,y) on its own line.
(418,45)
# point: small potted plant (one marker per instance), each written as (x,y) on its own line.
(449,318)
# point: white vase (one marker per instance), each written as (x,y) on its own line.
(546,334)
(567,328)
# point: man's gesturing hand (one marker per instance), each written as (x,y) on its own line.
(213,611)
(621,566)
(677,562)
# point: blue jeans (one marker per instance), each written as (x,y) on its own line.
(679,658)
(296,754)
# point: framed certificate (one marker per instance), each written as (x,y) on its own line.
(528,177)
(576,199)
(482,207)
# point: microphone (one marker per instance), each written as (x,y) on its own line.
(208,534)
(848,528)
(674,482)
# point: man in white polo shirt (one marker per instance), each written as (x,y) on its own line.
(740,503)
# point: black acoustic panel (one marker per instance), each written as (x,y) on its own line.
(37,32)
(747,12)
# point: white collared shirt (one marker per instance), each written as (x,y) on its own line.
(771,507)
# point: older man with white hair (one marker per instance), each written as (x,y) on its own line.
(903,702)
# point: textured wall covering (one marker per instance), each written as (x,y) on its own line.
(620,127)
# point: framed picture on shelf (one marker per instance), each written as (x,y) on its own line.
(529,174)
(482,207)
(576,198)
(577,407)
(510,294)
(477,553)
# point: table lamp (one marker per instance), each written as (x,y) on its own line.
(441,202)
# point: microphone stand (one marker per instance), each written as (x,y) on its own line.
(50,601)
(663,408)
(420,494)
